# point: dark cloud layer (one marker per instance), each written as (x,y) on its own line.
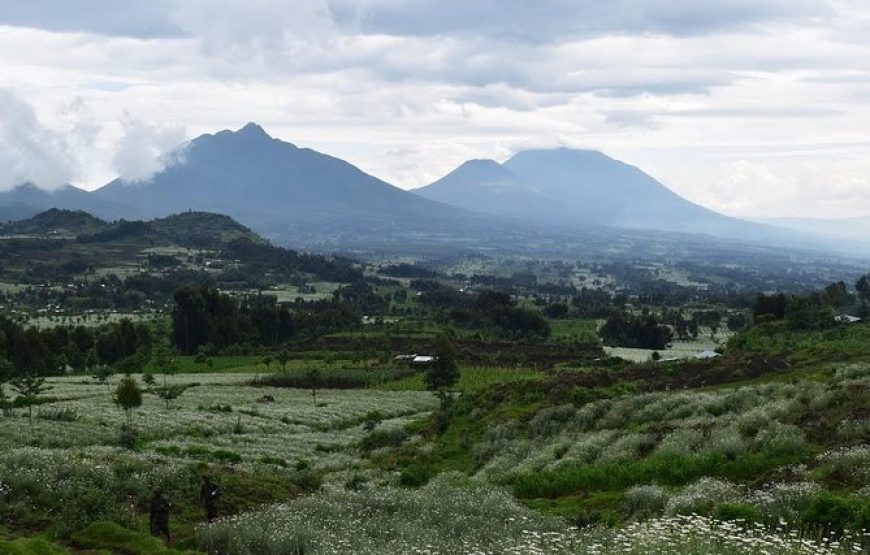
(549,20)
(535,21)
(133,18)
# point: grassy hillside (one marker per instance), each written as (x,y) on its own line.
(760,435)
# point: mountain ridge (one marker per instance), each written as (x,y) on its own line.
(308,199)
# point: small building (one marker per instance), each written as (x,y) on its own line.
(707,354)
(847,319)
(423,359)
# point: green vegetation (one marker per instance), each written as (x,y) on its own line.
(462,406)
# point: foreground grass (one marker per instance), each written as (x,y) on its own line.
(30,546)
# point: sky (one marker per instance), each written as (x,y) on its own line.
(755,108)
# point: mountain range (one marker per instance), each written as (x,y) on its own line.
(303,198)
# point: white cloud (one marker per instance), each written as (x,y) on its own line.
(29,151)
(749,106)
(145,149)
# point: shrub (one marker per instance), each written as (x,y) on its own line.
(702,496)
(551,420)
(384,438)
(783,501)
(128,437)
(741,512)
(681,442)
(828,513)
(626,448)
(642,502)
(847,465)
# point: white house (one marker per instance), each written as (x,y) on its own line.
(847,319)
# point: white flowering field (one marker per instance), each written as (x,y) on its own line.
(219,413)
(449,516)
(269,443)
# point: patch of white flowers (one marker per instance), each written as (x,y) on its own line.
(450,517)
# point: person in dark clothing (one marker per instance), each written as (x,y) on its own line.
(209,494)
(160,515)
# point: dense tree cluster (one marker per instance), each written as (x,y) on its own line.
(51,351)
(816,310)
(263,258)
(405,270)
(491,311)
(645,331)
(204,316)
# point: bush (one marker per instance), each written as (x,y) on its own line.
(128,437)
(413,476)
(784,501)
(702,496)
(828,513)
(642,502)
(737,512)
(384,438)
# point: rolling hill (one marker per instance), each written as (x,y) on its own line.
(55,221)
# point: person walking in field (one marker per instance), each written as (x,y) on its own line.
(209,494)
(160,515)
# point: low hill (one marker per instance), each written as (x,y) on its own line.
(65,245)
(203,229)
(56,222)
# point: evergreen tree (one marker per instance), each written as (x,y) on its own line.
(128,396)
(443,373)
(29,388)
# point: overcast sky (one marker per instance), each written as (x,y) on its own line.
(750,107)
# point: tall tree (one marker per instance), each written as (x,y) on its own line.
(6,370)
(29,388)
(443,373)
(164,360)
(128,396)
